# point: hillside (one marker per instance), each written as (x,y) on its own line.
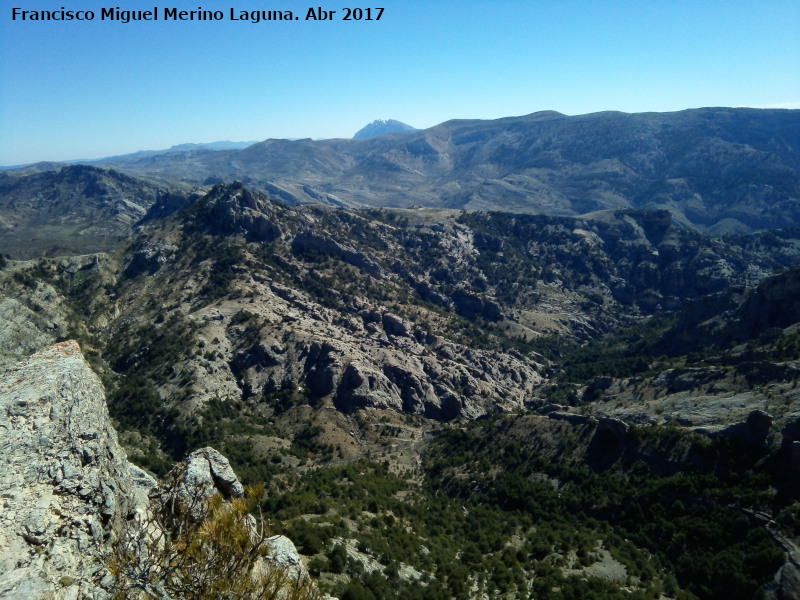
(72,209)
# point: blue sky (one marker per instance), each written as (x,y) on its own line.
(72,90)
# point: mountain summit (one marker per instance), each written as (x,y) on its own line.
(382,126)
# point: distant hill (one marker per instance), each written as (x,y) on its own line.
(73,209)
(381,127)
(121,158)
(224,145)
(179,148)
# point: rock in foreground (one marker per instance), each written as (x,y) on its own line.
(67,490)
(64,480)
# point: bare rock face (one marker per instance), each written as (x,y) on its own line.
(786,585)
(310,242)
(149,257)
(754,431)
(29,323)
(207,468)
(65,483)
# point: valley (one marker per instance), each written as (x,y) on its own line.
(540,357)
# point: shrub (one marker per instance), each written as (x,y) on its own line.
(221,555)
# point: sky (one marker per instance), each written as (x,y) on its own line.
(89,89)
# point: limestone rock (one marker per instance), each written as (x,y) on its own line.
(66,487)
(471,306)
(310,242)
(144,487)
(394,325)
(149,257)
(785,586)
(233,209)
(208,470)
(284,554)
(65,482)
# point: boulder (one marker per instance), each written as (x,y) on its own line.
(785,586)
(233,209)
(202,474)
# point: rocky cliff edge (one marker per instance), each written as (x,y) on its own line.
(65,483)
(66,486)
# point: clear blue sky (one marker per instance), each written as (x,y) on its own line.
(73,90)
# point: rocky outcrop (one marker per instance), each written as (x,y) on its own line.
(65,483)
(202,474)
(753,432)
(471,306)
(774,303)
(368,358)
(206,472)
(681,380)
(790,434)
(310,242)
(785,586)
(67,491)
(233,209)
(149,257)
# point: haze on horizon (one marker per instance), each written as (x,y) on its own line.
(89,90)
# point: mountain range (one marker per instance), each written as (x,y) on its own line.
(717,170)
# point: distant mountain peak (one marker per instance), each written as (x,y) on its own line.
(381,127)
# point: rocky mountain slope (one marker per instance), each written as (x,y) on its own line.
(317,311)
(716,369)
(68,492)
(66,484)
(715,169)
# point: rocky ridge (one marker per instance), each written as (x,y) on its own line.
(312,315)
